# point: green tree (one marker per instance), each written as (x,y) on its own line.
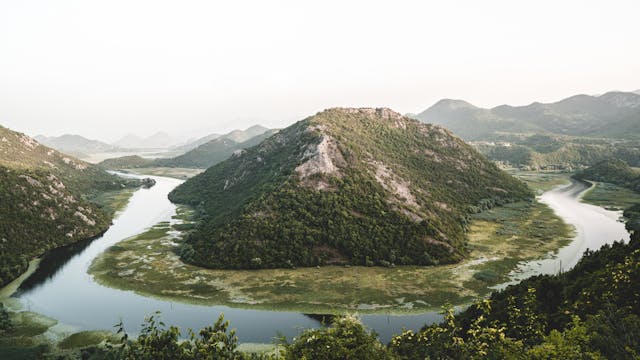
(156,342)
(345,339)
(571,344)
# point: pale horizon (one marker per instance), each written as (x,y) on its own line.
(104,70)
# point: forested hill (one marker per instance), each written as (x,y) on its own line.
(614,114)
(612,171)
(44,200)
(361,186)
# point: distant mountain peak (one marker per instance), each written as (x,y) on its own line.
(454,104)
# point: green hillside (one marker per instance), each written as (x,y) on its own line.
(45,200)
(359,186)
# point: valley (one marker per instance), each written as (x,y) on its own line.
(146,262)
(485,230)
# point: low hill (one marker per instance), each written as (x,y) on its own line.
(614,114)
(45,200)
(75,144)
(359,186)
(126,162)
(612,171)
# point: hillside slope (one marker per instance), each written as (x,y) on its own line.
(360,186)
(44,200)
(614,114)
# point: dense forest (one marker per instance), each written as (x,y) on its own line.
(359,186)
(45,201)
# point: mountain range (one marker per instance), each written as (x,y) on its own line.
(614,114)
(345,186)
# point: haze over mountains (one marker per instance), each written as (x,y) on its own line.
(359,186)
(614,114)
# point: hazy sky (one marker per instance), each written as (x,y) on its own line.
(106,68)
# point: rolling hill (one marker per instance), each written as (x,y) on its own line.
(45,200)
(345,186)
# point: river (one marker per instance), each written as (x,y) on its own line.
(62,289)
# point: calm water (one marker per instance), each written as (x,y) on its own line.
(62,289)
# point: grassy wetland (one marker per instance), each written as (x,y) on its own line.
(498,240)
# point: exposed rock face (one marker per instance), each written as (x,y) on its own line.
(321,158)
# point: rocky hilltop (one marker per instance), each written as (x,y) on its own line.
(345,186)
